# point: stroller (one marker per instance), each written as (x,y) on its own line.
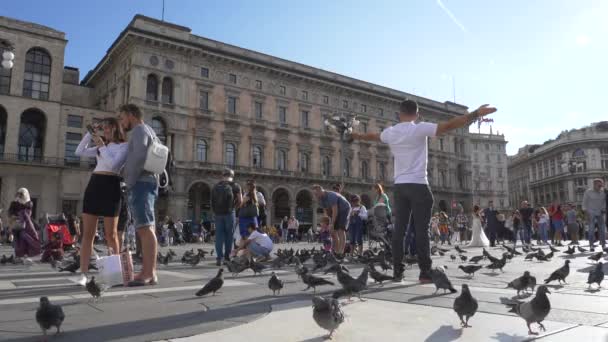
(58,223)
(378,230)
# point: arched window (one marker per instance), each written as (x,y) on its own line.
(167,94)
(346,167)
(304,162)
(230,155)
(326,166)
(381,171)
(5,78)
(578,153)
(37,76)
(31,135)
(152,88)
(160,129)
(2,129)
(201,150)
(257,156)
(282,160)
(364,170)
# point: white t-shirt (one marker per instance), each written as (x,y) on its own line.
(408,143)
(261,239)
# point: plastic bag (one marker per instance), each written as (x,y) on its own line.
(110,270)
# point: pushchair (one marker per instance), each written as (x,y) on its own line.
(58,223)
(378,230)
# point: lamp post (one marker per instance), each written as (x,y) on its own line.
(7,56)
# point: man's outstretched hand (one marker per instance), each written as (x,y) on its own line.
(484,110)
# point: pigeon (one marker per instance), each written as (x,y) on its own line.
(277,263)
(312,281)
(212,251)
(410,260)
(476,259)
(470,269)
(443,249)
(441,253)
(433,250)
(3,260)
(489,256)
(327,314)
(385,265)
(465,306)
(499,264)
(194,260)
(94,289)
(202,253)
(350,285)
(570,250)
(275,284)
(214,285)
(531,256)
(256,267)
(71,267)
(441,281)
(166,259)
(560,274)
(377,276)
(453,257)
(535,310)
(522,283)
(511,250)
(596,275)
(463,258)
(300,269)
(237,265)
(334,269)
(460,251)
(49,315)
(553,249)
(581,249)
(596,257)
(525,248)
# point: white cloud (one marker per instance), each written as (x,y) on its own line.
(583,40)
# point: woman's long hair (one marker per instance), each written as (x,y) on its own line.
(379,189)
(119,134)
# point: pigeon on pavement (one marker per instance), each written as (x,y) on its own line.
(553,249)
(489,256)
(49,315)
(327,314)
(499,264)
(522,283)
(596,257)
(256,267)
(275,284)
(465,306)
(453,257)
(441,281)
(560,274)
(470,269)
(534,311)
(71,267)
(570,250)
(581,249)
(312,281)
(460,251)
(596,275)
(463,258)
(94,289)
(214,285)
(237,265)
(352,286)
(476,259)
(377,276)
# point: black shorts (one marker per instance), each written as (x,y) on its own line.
(102,196)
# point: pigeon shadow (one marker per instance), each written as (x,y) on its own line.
(315,339)
(423,297)
(596,290)
(489,274)
(567,256)
(444,333)
(520,297)
(555,287)
(502,337)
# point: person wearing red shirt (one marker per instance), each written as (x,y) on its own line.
(557,218)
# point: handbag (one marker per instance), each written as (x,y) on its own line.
(157,155)
(249,210)
(110,270)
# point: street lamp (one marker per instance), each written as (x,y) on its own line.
(7,56)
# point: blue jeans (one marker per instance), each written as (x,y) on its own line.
(542,231)
(142,197)
(224,230)
(527,231)
(258,250)
(599,220)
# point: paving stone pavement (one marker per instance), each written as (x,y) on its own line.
(170,311)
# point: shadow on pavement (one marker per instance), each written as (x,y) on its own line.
(445,333)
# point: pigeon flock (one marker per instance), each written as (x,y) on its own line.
(317,268)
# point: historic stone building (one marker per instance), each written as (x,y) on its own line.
(490,181)
(560,169)
(214,105)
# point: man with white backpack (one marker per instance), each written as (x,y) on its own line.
(146,159)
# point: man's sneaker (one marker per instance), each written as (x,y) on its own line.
(218,262)
(82,280)
(425,278)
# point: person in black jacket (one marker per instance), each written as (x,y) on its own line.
(492,224)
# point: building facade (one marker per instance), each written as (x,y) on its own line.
(560,170)
(490,172)
(214,105)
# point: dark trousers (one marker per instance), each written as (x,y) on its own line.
(491,233)
(410,239)
(413,201)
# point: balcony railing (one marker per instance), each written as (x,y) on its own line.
(46,161)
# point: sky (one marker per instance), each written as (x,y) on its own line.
(541,63)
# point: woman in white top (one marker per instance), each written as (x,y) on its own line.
(478,238)
(543,225)
(102,197)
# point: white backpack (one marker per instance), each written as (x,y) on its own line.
(157,155)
